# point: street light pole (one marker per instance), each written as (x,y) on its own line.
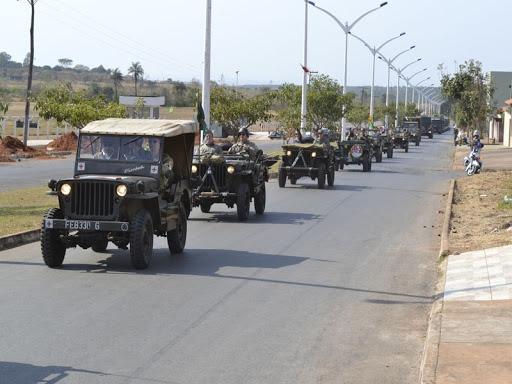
(304,101)
(374,52)
(399,74)
(346,29)
(206,72)
(414,88)
(407,80)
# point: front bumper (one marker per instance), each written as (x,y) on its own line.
(87,225)
(301,171)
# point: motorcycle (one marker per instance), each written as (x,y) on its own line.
(472,163)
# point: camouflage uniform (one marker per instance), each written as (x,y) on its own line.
(250,148)
(167,165)
(208,150)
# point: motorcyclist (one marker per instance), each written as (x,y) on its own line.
(476,147)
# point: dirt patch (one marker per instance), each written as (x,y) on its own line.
(480,218)
(66,142)
(10,146)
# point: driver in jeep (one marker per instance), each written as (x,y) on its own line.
(243,145)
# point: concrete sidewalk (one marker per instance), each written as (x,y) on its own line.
(476,330)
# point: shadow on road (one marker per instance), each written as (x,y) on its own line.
(297,218)
(27,373)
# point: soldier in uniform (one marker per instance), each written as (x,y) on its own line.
(323,137)
(208,147)
(243,145)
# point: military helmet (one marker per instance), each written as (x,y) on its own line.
(208,132)
(243,131)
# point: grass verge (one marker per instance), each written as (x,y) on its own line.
(22,209)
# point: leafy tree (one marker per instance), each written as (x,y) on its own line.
(232,111)
(74,107)
(4,107)
(81,68)
(469,91)
(288,100)
(26,60)
(5,58)
(65,62)
(137,72)
(358,114)
(117,77)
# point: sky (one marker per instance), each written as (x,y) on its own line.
(262,40)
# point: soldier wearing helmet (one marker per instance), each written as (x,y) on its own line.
(243,145)
(323,136)
(208,147)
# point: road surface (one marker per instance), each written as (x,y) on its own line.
(329,286)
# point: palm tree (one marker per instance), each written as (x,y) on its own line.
(117,77)
(137,72)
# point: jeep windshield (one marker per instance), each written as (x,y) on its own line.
(120,148)
(410,125)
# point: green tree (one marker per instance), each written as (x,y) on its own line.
(74,107)
(65,62)
(137,72)
(4,107)
(358,114)
(469,91)
(287,108)
(232,111)
(117,77)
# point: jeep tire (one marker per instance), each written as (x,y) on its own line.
(141,239)
(390,151)
(406,147)
(205,206)
(52,248)
(378,156)
(177,237)
(321,176)
(330,176)
(260,200)
(243,202)
(100,245)
(282,178)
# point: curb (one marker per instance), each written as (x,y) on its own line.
(20,238)
(428,367)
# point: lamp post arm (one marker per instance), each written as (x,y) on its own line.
(365,14)
(408,65)
(417,73)
(332,16)
(389,41)
(401,53)
(372,50)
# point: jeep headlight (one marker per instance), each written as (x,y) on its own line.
(121,190)
(65,189)
(313,154)
(288,153)
(194,169)
(231,169)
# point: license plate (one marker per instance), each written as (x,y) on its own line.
(78,224)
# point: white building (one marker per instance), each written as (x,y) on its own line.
(151,109)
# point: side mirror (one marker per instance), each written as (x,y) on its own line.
(52,184)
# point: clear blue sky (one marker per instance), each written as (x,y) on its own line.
(261,39)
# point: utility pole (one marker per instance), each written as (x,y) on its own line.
(32,4)
(206,72)
(304,99)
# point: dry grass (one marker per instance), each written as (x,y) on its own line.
(22,209)
(480,219)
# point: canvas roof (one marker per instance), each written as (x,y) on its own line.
(141,127)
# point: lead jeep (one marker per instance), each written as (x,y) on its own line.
(315,161)
(232,180)
(131,181)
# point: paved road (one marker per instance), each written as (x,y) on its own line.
(331,286)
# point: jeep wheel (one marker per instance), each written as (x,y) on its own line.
(342,165)
(321,176)
(205,206)
(330,177)
(100,245)
(367,161)
(243,202)
(52,248)
(378,156)
(141,239)
(430,135)
(260,200)
(282,178)
(293,180)
(177,237)
(390,152)
(417,143)
(406,148)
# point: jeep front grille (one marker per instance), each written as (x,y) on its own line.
(92,199)
(218,172)
(300,163)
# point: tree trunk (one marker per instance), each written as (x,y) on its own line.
(30,69)
(135,80)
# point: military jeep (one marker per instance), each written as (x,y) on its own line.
(131,181)
(388,144)
(413,128)
(357,151)
(377,141)
(401,139)
(315,161)
(232,180)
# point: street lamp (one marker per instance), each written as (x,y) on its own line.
(399,73)
(346,29)
(304,99)
(374,52)
(414,88)
(424,95)
(407,80)
(206,69)
(389,63)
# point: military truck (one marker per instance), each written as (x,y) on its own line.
(412,127)
(232,180)
(425,123)
(315,161)
(131,181)
(357,151)
(437,125)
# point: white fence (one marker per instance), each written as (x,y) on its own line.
(39,128)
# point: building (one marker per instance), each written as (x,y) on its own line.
(150,110)
(506,116)
(502,84)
